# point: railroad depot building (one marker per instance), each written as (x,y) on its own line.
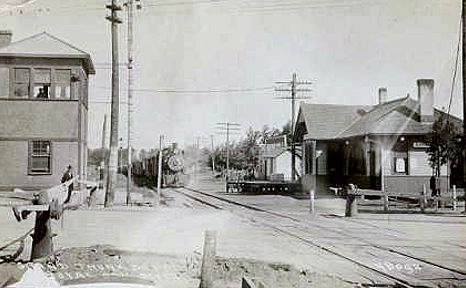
(43,110)
(371,146)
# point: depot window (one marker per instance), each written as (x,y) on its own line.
(40,156)
(400,163)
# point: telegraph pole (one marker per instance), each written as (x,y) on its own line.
(227,127)
(293,88)
(115,110)
(104,131)
(463,17)
(104,137)
(130,5)
(197,154)
(212,154)
(103,162)
(159,170)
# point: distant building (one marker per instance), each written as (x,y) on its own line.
(275,160)
(371,146)
(43,110)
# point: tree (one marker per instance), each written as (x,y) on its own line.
(444,144)
(95,156)
(245,153)
(250,148)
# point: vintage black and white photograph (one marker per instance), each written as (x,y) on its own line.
(232,143)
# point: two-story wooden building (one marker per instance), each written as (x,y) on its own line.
(43,110)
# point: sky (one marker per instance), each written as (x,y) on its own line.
(200,62)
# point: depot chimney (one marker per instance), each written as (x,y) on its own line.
(382,95)
(5,38)
(425,89)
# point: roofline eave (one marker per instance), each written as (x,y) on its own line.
(86,57)
(364,135)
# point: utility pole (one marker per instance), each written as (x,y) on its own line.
(197,154)
(227,127)
(212,154)
(130,5)
(115,109)
(103,162)
(463,17)
(293,88)
(104,132)
(159,170)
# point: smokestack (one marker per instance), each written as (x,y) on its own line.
(5,38)
(425,89)
(382,95)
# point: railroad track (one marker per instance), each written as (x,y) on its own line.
(442,275)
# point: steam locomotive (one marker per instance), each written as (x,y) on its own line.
(145,170)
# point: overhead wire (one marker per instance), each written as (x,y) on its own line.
(204,91)
(455,70)
(251,6)
(281,6)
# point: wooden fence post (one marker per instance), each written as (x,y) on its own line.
(208,259)
(385,203)
(422,199)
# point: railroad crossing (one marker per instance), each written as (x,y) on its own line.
(372,249)
(383,249)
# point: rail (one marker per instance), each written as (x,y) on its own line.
(400,280)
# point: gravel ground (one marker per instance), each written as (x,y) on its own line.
(158,244)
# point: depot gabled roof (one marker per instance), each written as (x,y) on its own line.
(44,45)
(327,121)
(393,117)
(399,116)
